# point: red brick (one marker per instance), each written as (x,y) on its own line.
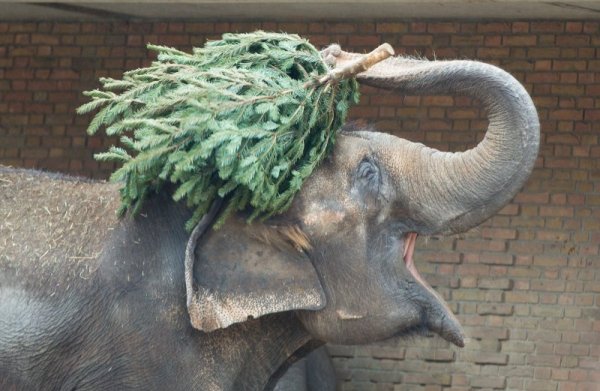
(495,283)
(591,27)
(497,258)
(498,233)
(437,355)
(488,333)
(569,115)
(494,27)
(547,27)
(495,309)
(382,352)
(344,28)
(509,210)
(532,198)
(491,53)
(552,235)
(446,27)
(522,297)
(440,258)
(386,27)
(556,211)
(416,40)
(549,260)
(418,27)
(292,27)
(467,40)
(573,40)
(490,382)
(483,358)
(438,101)
(574,27)
(479,245)
(519,40)
(370,41)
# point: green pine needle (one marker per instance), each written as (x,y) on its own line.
(243,118)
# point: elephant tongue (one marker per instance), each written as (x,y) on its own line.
(439,317)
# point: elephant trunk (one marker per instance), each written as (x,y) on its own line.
(452,192)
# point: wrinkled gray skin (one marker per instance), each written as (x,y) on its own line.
(125,326)
(314,372)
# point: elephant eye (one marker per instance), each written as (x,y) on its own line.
(368,175)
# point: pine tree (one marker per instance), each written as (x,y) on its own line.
(245,119)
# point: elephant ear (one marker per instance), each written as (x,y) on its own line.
(246,271)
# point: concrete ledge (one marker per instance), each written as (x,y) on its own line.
(286,10)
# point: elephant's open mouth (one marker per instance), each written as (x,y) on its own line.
(439,318)
(409,248)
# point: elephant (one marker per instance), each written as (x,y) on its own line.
(314,372)
(91,301)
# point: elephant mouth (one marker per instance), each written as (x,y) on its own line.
(410,240)
(437,316)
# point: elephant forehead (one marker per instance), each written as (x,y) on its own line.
(336,173)
(392,152)
(326,197)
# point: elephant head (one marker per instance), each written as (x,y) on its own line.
(345,259)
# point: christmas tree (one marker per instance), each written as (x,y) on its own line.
(245,119)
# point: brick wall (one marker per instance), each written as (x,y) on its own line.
(526,284)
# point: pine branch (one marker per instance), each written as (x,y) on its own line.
(245,119)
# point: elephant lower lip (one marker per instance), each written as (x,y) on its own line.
(441,319)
